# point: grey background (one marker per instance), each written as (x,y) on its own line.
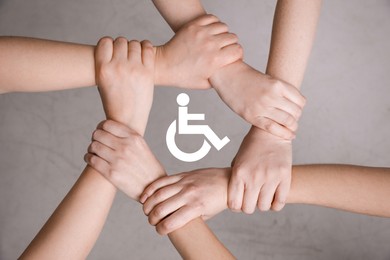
(43,136)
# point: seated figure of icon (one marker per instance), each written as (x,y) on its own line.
(184,126)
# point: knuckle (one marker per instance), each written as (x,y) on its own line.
(224,26)
(95,146)
(163,228)
(191,189)
(114,176)
(234,205)
(240,171)
(268,125)
(239,51)
(288,120)
(264,207)
(126,150)
(279,205)
(151,220)
(106,125)
(93,160)
(105,40)
(96,134)
(212,17)
(121,39)
(159,195)
(158,211)
(248,210)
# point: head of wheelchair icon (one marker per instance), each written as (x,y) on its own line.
(182,126)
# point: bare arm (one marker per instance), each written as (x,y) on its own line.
(187,60)
(293,33)
(177,12)
(250,93)
(32,65)
(359,189)
(73,228)
(69,233)
(75,225)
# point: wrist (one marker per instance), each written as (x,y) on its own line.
(224,76)
(259,133)
(161,75)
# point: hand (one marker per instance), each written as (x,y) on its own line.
(125,76)
(261,173)
(197,50)
(123,157)
(173,201)
(268,103)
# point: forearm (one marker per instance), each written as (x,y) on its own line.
(196,241)
(75,225)
(32,65)
(293,33)
(36,65)
(177,12)
(357,189)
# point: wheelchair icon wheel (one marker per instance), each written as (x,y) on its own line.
(179,154)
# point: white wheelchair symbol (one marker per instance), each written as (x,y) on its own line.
(184,128)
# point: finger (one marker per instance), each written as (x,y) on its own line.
(177,220)
(147,54)
(230,54)
(283,118)
(251,196)
(235,193)
(101,150)
(289,107)
(294,95)
(166,208)
(97,163)
(281,196)
(159,183)
(206,19)
(226,39)
(266,196)
(217,28)
(134,51)
(159,196)
(116,128)
(274,128)
(105,138)
(104,50)
(120,49)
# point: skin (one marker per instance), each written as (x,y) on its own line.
(123,69)
(261,170)
(50,65)
(174,200)
(261,174)
(258,103)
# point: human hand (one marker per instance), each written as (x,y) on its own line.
(268,103)
(173,201)
(123,157)
(125,78)
(261,173)
(197,50)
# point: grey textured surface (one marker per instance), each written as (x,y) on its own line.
(44,136)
